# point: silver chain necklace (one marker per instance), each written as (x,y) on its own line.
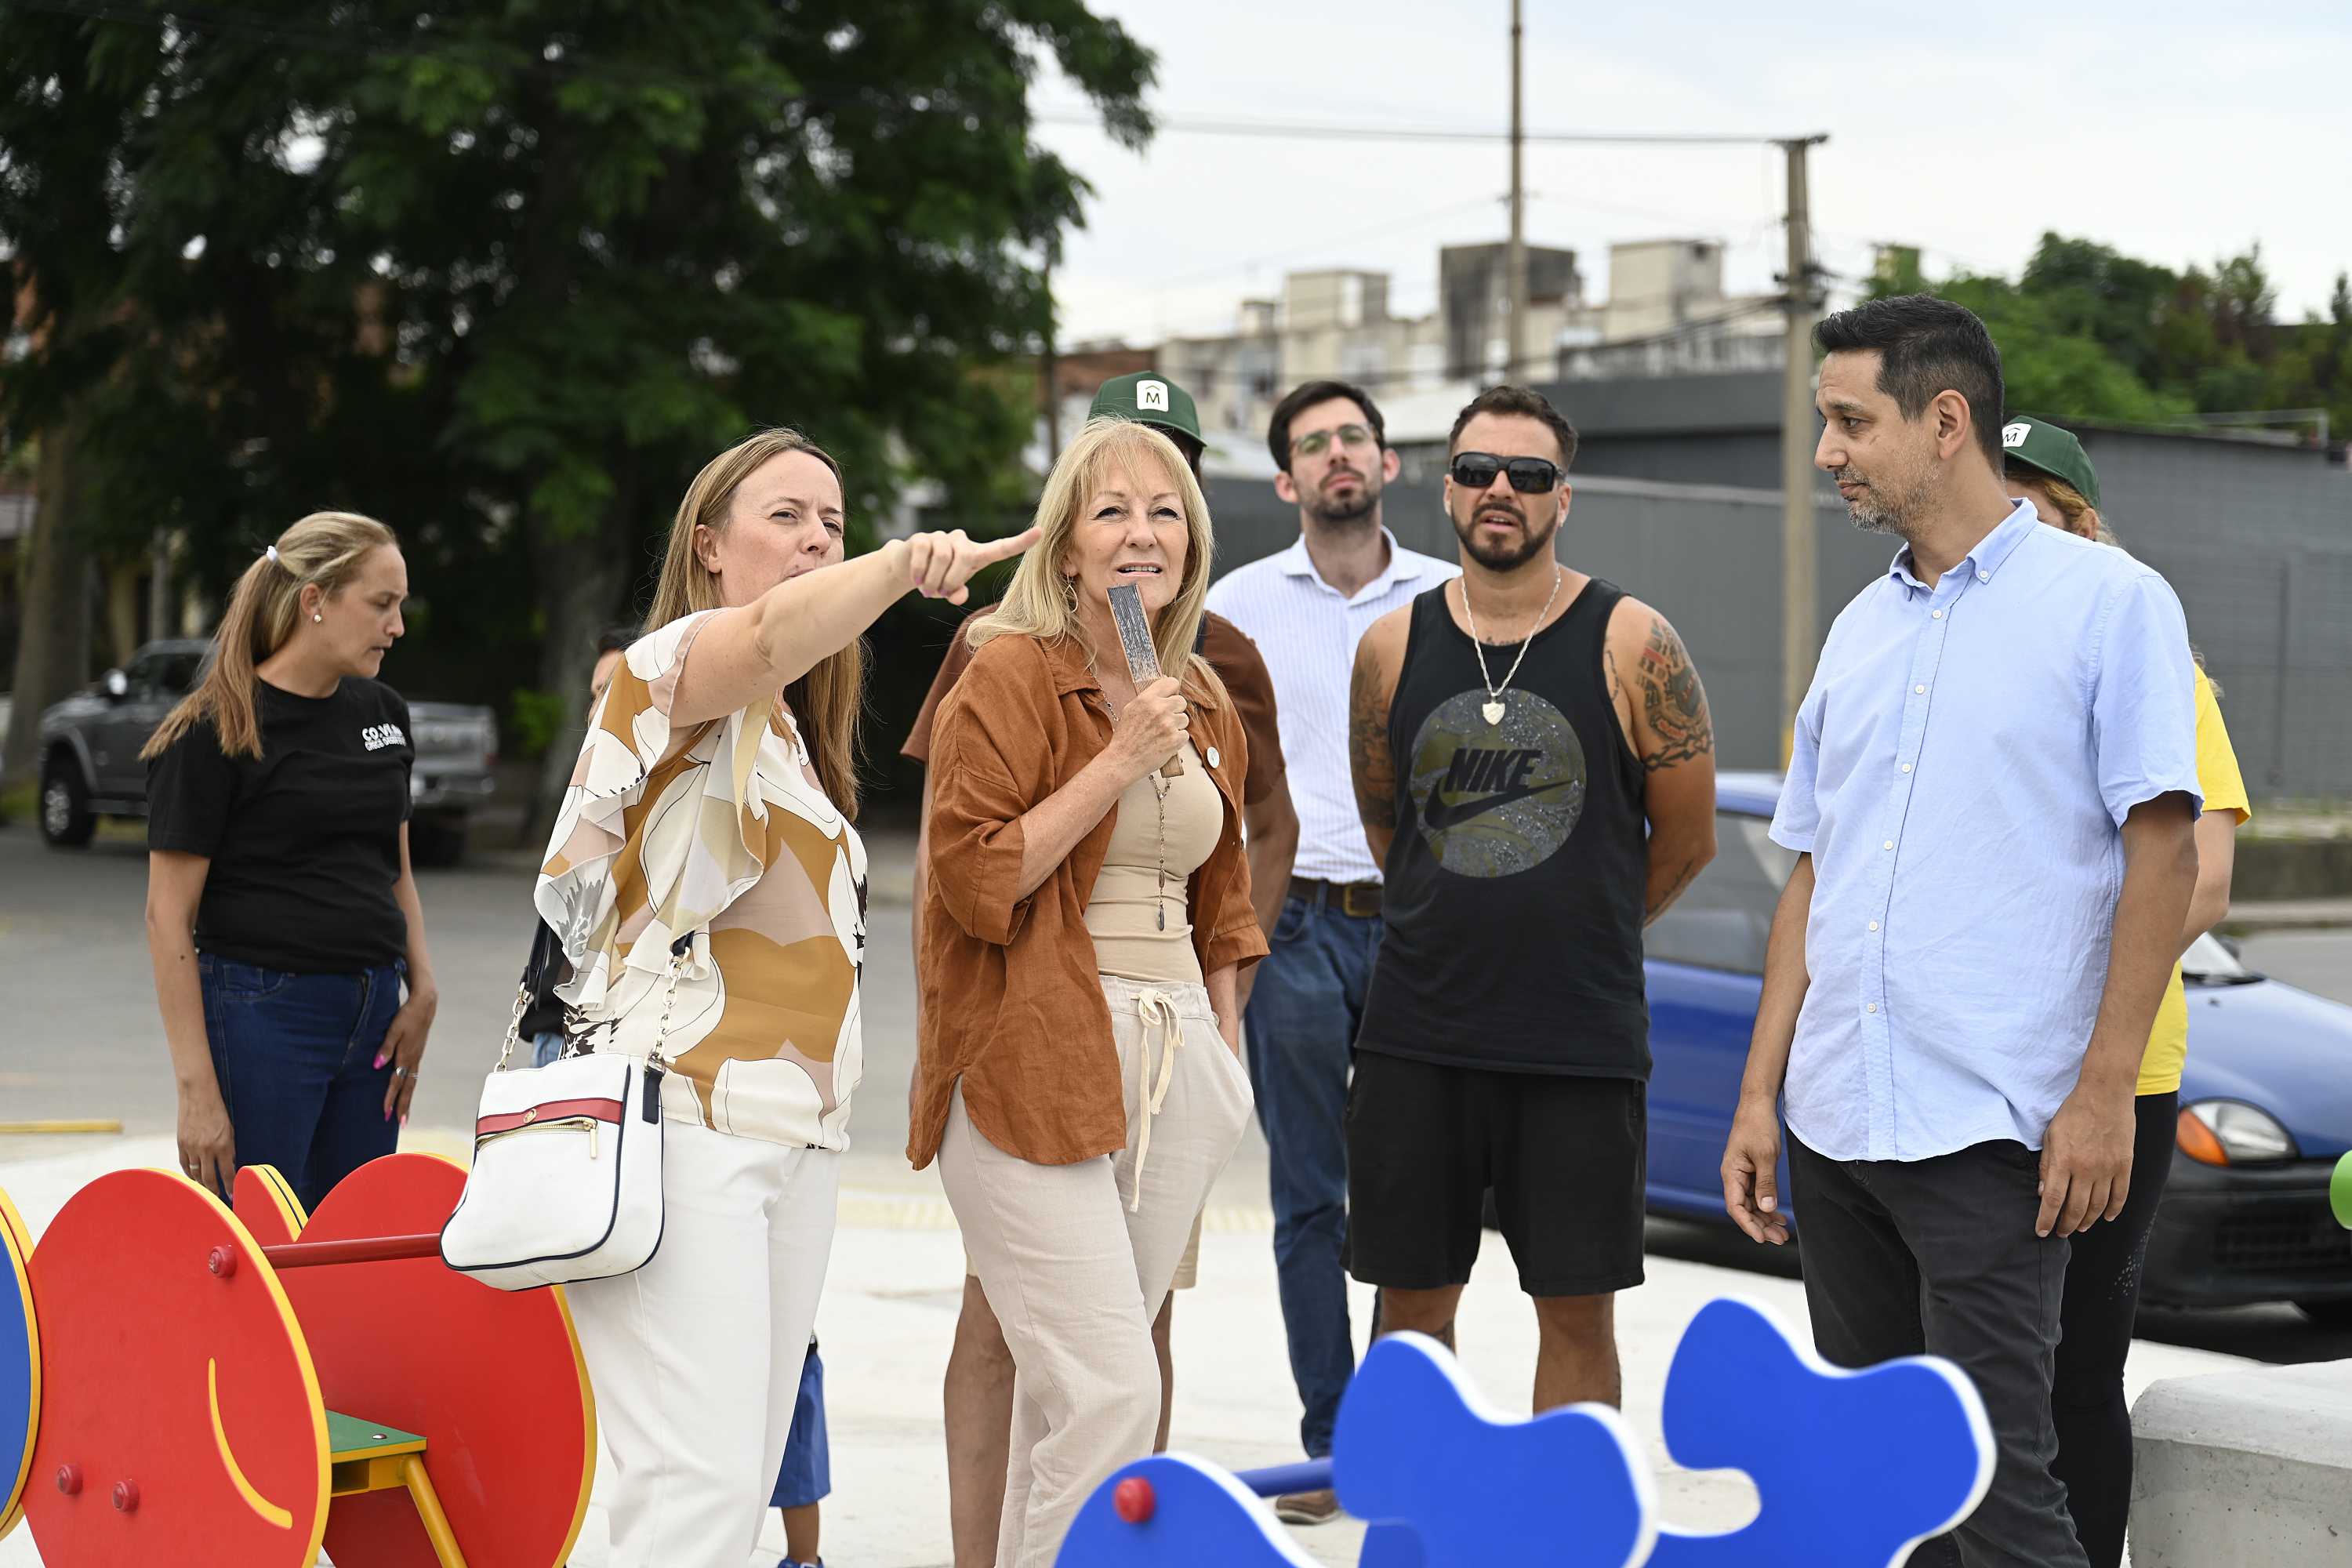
(1160,787)
(1492,707)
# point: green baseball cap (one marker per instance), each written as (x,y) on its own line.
(2038,444)
(1149,398)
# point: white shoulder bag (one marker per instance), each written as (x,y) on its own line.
(566,1183)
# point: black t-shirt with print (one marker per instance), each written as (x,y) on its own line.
(304,839)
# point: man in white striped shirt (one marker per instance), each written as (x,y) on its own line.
(1305,608)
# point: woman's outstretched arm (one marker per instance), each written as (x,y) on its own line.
(757,649)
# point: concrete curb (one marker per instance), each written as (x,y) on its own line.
(2245,1469)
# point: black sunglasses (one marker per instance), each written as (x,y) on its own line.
(1531,475)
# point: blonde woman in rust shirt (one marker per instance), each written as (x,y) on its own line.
(1088,911)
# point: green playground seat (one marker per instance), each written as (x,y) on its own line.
(369,1457)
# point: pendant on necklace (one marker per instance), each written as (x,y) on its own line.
(1493,710)
(1162,913)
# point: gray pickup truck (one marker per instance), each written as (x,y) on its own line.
(90,744)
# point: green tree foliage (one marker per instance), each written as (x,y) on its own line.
(2086,333)
(2069,329)
(2313,364)
(506,276)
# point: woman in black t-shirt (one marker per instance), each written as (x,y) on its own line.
(281,914)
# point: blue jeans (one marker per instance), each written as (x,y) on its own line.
(295,1055)
(1302,1016)
(807,1476)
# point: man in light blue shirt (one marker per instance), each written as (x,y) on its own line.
(1993,791)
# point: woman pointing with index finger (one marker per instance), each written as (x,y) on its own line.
(709,889)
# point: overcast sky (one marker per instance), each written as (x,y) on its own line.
(2176,132)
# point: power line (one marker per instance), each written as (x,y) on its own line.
(268,28)
(1221,125)
(559,62)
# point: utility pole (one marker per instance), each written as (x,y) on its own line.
(1514,260)
(1800,575)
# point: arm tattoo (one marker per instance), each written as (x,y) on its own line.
(1673,705)
(1369,761)
(1663,898)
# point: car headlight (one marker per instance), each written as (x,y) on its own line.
(2231,1133)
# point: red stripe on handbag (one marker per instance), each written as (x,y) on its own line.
(602,1110)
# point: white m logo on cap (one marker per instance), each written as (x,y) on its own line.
(2015,435)
(1152,395)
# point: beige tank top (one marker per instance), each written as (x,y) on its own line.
(1137,912)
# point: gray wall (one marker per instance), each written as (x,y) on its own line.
(2256,540)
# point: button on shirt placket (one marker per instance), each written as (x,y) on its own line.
(1937,607)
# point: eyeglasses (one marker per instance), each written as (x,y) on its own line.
(1314,441)
(1476,470)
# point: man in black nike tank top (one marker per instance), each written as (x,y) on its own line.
(1536,773)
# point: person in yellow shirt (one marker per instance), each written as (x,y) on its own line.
(2048,466)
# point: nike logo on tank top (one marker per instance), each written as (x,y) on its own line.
(1516,877)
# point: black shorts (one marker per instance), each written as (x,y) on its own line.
(1563,1155)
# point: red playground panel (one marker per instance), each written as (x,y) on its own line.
(266,1206)
(492,1380)
(239,1388)
(180,1414)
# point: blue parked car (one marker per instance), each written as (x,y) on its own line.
(2266,1097)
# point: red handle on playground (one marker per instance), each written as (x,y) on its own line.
(367,1249)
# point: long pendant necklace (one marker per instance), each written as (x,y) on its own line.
(1160,787)
(1492,707)
(1160,899)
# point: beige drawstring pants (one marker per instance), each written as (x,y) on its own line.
(1075,1259)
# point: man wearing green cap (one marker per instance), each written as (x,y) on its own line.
(978,1396)
(1149,398)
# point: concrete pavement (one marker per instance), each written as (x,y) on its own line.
(888,1317)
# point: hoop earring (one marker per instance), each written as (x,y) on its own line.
(1070,593)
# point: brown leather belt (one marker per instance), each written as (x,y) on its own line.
(1348,897)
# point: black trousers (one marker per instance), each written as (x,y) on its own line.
(2086,1400)
(1938,1257)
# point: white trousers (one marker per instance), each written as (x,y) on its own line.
(696,1357)
(1075,1259)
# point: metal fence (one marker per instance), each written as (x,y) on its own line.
(2256,540)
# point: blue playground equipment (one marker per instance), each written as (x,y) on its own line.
(1852,1468)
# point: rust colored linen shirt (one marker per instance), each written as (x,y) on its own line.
(1013,1007)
